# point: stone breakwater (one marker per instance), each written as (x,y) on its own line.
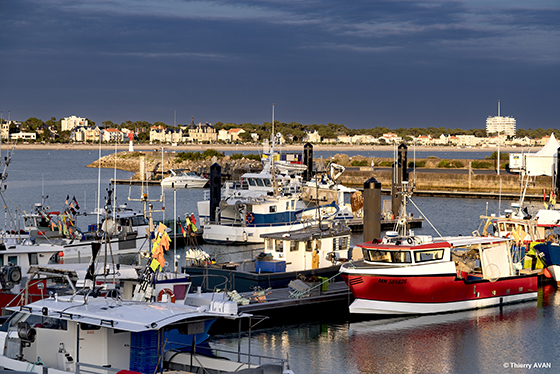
(155,165)
(353,176)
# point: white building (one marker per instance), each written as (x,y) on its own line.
(391,138)
(173,136)
(112,136)
(157,134)
(68,123)
(23,136)
(223,135)
(503,125)
(312,137)
(85,134)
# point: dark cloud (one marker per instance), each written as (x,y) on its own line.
(364,63)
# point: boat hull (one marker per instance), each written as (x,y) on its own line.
(184,183)
(395,295)
(551,253)
(244,281)
(81,251)
(229,234)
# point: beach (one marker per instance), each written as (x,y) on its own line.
(242,147)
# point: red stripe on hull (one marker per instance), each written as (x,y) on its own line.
(435,289)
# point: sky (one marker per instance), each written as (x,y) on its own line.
(363,64)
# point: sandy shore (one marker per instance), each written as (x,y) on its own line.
(241,148)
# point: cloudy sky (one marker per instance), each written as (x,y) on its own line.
(393,63)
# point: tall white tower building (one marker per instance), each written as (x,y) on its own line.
(499,124)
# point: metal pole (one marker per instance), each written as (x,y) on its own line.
(249,353)
(175,230)
(239,342)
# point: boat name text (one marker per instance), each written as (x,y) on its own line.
(392,281)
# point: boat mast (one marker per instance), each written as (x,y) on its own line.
(99,180)
(272,168)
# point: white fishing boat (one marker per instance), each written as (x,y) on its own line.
(15,262)
(184,179)
(317,250)
(81,333)
(325,189)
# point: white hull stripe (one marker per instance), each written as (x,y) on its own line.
(362,306)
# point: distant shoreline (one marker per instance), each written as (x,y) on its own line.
(241,148)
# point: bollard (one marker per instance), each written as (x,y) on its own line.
(308,161)
(372,209)
(403,161)
(215,189)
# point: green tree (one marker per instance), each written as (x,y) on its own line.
(32,124)
(245,137)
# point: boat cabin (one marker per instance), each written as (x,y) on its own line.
(310,248)
(123,221)
(471,257)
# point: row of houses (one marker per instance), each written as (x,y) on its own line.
(81,131)
(429,140)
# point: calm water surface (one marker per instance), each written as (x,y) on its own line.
(485,341)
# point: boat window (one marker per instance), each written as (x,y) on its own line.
(287,205)
(340,244)
(431,255)
(12,260)
(139,221)
(272,208)
(267,182)
(50,323)
(377,255)
(279,246)
(293,204)
(88,327)
(347,197)
(259,182)
(251,182)
(293,246)
(1,260)
(309,246)
(33,259)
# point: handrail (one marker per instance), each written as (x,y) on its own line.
(220,351)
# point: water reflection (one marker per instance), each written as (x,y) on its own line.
(478,341)
(442,343)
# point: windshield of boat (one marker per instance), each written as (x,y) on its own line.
(430,255)
(377,255)
(35,321)
(139,221)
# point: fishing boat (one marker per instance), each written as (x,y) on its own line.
(15,262)
(183,179)
(403,273)
(82,333)
(315,251)
(419,275)
(253,217)
(324,189)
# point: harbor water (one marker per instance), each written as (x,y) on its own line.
(517,338)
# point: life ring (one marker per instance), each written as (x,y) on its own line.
(249,217)
(166,291)
(410,241)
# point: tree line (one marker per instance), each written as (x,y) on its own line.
(296,130)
